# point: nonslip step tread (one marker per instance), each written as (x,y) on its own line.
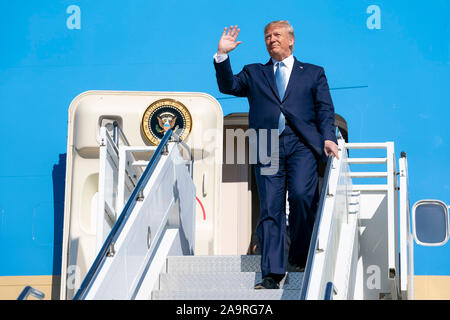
(237,294)
(204,264)
(221,277)
(231,280)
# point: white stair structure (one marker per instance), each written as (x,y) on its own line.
(147,230)
(156,220)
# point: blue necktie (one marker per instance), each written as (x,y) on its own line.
(281,85)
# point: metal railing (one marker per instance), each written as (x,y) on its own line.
(107,249)
(117,133)
(330,291)
(30,291)
(177,138)
(315,234)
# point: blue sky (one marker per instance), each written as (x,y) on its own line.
(168,46)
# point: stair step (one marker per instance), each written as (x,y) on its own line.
(221,278)
(223,281)
(213,264)
(239,294)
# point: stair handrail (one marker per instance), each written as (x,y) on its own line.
(117,133)
(176,138)
(108,246)
(30,291)
(315,234)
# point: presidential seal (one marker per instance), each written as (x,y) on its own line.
(163,115)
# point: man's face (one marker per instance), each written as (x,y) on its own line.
(278,42)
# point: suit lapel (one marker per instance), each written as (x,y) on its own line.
(270,76)
(295,78)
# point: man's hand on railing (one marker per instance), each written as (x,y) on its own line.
(331,149)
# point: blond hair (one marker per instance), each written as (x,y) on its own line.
(289,28)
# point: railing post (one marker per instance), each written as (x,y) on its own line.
(392,221)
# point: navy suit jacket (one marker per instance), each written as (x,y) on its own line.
(306,104)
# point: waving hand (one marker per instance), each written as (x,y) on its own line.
(228,41)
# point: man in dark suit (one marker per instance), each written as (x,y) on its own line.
(293,98)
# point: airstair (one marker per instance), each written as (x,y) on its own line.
(163,198)
(145,225)
(148,252)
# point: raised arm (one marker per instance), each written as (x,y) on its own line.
(227,81)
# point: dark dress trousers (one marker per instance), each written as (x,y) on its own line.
(309,113)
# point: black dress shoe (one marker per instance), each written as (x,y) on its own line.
(295,268)
(267,283)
